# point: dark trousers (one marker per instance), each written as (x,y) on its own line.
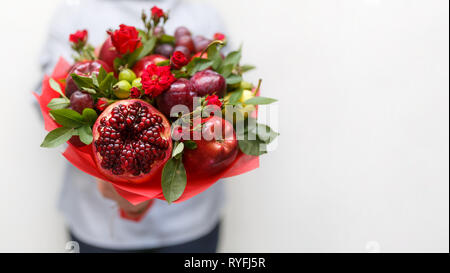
(205,244)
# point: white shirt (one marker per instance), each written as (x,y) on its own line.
(91,217)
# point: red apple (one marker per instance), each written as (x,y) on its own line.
(209,82)
(216,150)
(85,68)
(108,52)
(140,66)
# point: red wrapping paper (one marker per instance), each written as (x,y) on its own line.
(83,158)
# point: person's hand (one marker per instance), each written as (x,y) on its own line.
(133,211)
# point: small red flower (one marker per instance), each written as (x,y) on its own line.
(135,93)
(213,100)
(219,36)
(126,39)
(157,12)
(79,37)
(156,79)
(178,60)
(102,103)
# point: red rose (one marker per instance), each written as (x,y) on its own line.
(156,79)
(219,36)
(178,60)
(102,103)
(126,39)
(157,12)
(135,93)
(213,100)
(79,37)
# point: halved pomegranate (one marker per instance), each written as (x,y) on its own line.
(131,141)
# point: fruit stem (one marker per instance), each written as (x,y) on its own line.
(257,88)
(213,43)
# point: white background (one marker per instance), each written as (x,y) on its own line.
(362,161)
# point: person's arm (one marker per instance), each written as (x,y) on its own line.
(130,211)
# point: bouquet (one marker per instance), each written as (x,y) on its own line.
(156,115)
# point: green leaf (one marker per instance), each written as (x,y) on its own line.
(214,55)
(94,80)
(101,74)
(89,90)
(82,81)
(146,48)
(234,79)
(67,118)
(226,70)
(246,68)
(198,64)
(118,62)
(235,96)
(178,150)
(250,126)
(260,101)
(89,116)
(167,39)
(85,133)
(173,179)
(233,58)
(201,65)
(179,74)
(265,133)
(190,144)
(57,137)
(58,103)
(107,83)
(55,86)
(163,63)
(252,147)
(142,33)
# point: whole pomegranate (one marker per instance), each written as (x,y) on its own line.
(216,150)
(108,52)
(131,141)
(85,68)
(140,66)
